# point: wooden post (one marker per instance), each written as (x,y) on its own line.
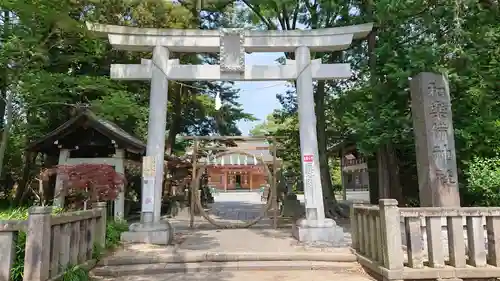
(37,256)
(119,204)
(194,187)
(342,176)
(225,180)
(60,192)
(274,190)
(100,227)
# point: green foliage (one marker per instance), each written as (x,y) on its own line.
(17,270)
(50,62)
(76,273)
(459,39)
(114,230)
(97,252)
(483,182)
(14,214)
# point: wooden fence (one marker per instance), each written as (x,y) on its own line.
(53,242)
(427,243)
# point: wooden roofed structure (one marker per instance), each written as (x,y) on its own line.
(354,166)
(89,139)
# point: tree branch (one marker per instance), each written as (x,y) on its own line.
(256,11)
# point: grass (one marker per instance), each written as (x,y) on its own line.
(14,214)
(72,273)
(114,230)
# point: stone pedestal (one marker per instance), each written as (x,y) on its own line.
(292,207)
(158,233)
(325,232)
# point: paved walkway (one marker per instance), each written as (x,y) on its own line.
(305,275)
(231,208)
(194,245)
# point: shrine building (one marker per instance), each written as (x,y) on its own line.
(236,171)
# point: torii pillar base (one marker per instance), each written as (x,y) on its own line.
(319,233)
(157,233)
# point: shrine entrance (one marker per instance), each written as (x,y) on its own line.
(232,44)
(229,177)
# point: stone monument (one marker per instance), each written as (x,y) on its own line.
(232,44)
(434,141)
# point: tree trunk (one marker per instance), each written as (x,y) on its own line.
(22,188)
(6,131)
(373,179)
(395,190)
(4,83)
(383,173)
(176,119)
(331,206)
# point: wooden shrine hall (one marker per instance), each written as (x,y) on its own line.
(236,171)
(89,139)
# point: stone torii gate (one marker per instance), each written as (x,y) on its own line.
(232,44)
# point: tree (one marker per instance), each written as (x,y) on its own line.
(373,108)
(51,63)
(266,128)
(311,14)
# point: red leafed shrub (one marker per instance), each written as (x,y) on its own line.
(96,182)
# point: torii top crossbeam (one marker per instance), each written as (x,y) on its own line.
(210,41)
(232,44)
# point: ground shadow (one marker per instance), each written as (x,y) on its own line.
(235,211)
(215,274)
(195,240)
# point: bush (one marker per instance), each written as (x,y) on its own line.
(114,230)
(483,182)
(337,188)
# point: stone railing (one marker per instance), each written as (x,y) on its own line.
(53,242)
(427,243)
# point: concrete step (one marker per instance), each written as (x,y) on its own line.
(194,267)
(197,257)
(297,275)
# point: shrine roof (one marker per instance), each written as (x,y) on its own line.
(86,118)
(257,149)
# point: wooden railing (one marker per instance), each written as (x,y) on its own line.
(427,243)
(53,242)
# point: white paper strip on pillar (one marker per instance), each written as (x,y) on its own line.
(218,102)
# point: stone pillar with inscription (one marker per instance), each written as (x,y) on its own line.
(152,229)
(434,141)
(315,227)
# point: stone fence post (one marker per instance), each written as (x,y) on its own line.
(390,224)
(38,244)
(354,223)
(100,229)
